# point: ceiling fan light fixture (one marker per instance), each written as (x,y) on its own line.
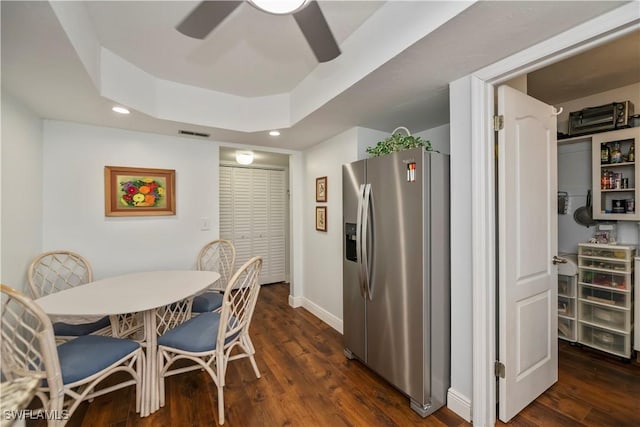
(279,7)
(244,157)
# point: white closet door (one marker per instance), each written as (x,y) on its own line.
(277,219)
(253,215)
(242,214)
(226,204)
(260,221)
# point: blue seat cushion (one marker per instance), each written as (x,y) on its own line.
(208,301)
(197,334)
(89,354)
(69,330)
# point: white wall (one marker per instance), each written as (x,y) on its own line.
(368,138)
(297,226)
(460,392)
(439,137)
(574,177)
(21,171)
(73,171)
(322,283)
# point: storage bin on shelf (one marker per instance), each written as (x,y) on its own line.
(567,294)
(605,303)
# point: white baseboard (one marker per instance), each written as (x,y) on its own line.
(459,404)
(323,314)
(295,302)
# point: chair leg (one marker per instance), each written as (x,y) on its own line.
(255,367)
(140,373)
(250,350)
(55,405)
(161,377)
(221,405)
(220,368)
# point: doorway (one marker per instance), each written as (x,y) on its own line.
(478,93)
(574,178)
(254,210)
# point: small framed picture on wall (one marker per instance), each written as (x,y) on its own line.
(321,189)
(321,218)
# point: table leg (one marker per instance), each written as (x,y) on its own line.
(150,392)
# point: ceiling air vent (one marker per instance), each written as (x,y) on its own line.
(192,133)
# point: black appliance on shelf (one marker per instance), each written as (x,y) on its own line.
(602,118)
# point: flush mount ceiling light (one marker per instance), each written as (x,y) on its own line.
(274,133)
(279,7)
(120,110)
(244,157)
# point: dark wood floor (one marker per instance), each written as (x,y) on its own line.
(307,381)
(593,389)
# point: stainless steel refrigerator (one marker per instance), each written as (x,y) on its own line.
(396,271)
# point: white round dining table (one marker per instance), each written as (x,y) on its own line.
(142,292)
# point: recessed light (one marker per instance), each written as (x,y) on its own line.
(120,110)
(274,133)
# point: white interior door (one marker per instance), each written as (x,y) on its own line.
(242,214)
(253,216)
(528,229)
(277,225)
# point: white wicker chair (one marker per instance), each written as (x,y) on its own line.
(68,373)
(55,271)
(209,338)
(218,256)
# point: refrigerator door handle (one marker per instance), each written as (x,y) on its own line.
(359,239)
(365,240)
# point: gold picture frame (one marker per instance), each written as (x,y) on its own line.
(321,218)
(132,191)
(321,189)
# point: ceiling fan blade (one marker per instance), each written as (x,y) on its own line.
(314,26)
(205,17)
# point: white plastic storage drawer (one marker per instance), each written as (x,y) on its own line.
(607,317)
(605,264)
(566,306)
(606,340)
(566,285)
(605,296)
(609,279)
(566,329)
(606,251)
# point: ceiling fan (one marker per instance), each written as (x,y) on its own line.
(307,13)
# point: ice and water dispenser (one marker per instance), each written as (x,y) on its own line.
(350,242)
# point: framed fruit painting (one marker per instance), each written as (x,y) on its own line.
(130,191)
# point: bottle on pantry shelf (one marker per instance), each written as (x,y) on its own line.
(604,180)
(605,154)
(631,156)
(616,154)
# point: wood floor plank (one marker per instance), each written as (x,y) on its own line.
(307,381)
(573,407)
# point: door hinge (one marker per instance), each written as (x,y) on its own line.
(498,369)
(498,122)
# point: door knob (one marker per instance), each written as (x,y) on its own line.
(558,260)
